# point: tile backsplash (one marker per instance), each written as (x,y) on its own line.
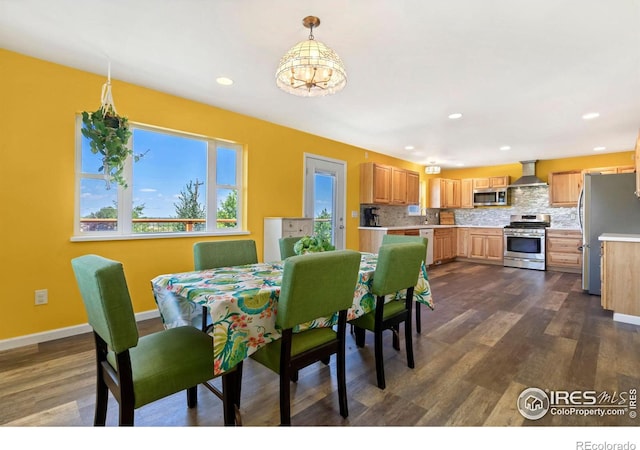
(523,200)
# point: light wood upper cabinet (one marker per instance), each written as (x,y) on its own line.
(413,188)
(564,188)
(491,182)
(398,186)
(611,170)
(388,185)
(375,183)
(444,193)
(466,193)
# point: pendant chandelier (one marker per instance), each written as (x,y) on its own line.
(310,68)
(432,169)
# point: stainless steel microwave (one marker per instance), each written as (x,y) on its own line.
(490,197)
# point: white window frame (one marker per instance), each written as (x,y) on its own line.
(125,196)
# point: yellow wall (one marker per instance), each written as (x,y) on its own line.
(39,101)
(38,104)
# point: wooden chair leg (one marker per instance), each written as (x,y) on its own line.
(409,342)
(192,397)
(285,398)
(326,361)
(126,413)
(294,376)
(102,397)
(418,322)
(359,334)
(285,378)
(342,381)
(396,337)
(407,328)
(379,359)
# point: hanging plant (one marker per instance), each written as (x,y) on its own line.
(109,135)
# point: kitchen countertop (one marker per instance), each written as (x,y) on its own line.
(618,237)
(417,227)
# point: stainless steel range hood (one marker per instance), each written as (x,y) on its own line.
(528,177)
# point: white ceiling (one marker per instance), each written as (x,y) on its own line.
(522,72)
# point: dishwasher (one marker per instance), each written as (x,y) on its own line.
(428,233)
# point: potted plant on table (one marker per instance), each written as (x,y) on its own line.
(312,244)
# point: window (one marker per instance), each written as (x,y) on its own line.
(181,184)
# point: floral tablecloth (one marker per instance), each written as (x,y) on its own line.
(242,301)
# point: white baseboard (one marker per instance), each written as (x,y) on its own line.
(626,318)
(36,338)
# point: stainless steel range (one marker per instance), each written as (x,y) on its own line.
(524,241)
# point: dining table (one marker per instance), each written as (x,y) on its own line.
(243,303)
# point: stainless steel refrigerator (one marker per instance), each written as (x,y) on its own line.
(607,205)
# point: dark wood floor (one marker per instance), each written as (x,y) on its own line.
(495,331)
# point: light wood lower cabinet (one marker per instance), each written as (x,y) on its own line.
(371,240)
(620,281)
(563,250)
(462,242)
(444,245)
(486,244)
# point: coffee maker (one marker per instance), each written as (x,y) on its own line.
(371,218)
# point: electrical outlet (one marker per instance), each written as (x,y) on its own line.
(42,297)
(354,214)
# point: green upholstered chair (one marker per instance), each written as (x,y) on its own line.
(286,246)
(214,254)
(398,268)
(313,285)
(137,369)
(399,238)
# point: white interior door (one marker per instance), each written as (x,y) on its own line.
(324,197)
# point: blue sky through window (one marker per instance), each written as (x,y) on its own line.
(168,164)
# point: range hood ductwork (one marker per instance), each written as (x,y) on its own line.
(528,178)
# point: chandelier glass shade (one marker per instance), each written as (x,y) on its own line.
(310,68)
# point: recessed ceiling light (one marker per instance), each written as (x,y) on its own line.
(599,149)
(504,148)
(455,115)
(224,81)
(460,165)
(409,147)
(591,115)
